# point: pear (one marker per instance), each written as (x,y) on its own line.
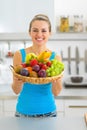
(17,68)
(29,57)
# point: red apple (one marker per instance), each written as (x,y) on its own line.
(44,67)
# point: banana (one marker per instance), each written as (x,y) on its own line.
(44,55)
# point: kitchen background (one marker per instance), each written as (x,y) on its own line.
(69,40)
(15,18)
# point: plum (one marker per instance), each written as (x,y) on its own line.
(24,72)
(36,68)
(42,73)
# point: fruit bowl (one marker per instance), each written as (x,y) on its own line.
(35,80)
(40,69)
(76,79)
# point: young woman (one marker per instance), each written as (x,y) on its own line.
(36,100)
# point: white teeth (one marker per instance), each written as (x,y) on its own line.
(39,39)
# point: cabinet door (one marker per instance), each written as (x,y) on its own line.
(9,107)
(75,107)
(1,108)
(60,107)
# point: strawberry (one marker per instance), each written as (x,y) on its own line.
(33,62)
(48,63)
(24,65)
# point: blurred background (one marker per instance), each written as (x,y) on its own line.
(69,40)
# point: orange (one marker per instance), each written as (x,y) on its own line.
(29,69)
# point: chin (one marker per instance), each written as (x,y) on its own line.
(40,44)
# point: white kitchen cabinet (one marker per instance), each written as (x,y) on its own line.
(9,107)
(1,108)
(75,107)
(60,107)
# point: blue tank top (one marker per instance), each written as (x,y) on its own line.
(35,98)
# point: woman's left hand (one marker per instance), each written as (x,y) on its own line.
(57,86)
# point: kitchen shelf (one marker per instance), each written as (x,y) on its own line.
(55,37)
(69,36)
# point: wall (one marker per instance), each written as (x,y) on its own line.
(70,7)
(15,15)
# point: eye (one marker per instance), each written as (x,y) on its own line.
(44,30)
(35,30)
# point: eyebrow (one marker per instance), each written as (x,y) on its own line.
(37,28)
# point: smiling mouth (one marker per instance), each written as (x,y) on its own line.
(39,39)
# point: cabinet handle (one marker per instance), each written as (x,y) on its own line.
(77,106)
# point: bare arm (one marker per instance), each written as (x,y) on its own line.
(17,83)
(57,85)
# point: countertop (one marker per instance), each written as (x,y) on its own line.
(48,123)
(73,93)
(66,93)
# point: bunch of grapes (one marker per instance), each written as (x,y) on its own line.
(56,68)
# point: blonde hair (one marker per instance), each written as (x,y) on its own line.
(40,17)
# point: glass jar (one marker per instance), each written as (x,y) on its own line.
(64,24)
(78,23)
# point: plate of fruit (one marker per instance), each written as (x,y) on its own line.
(39,69)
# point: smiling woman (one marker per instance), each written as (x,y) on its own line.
(36,100)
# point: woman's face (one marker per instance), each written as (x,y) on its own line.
(40,32)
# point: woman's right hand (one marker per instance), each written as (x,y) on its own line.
(17,84)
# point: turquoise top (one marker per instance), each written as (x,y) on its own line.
(35,98)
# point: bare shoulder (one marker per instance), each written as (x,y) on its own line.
(58,58)
(17,59)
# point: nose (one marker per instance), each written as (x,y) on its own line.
(39,33)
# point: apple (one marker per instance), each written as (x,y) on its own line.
(44,67)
